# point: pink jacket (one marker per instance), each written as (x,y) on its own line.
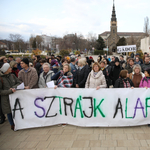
(145,83)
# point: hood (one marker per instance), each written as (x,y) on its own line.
(100,73)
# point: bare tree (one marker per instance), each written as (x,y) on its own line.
(146,26)
(39,40)
(18,42)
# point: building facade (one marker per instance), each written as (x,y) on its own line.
(145,44)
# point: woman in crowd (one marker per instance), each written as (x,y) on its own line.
(15,70)
(45,76)
(145,82)
(115,71)
(136,76)
(123,81)
(64,61)
(107,72)
(96,79)
(82,73)
(64,78)
(8,83)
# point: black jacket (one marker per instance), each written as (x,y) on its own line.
(106,73)
(119,82)
(114,74)
(81,76)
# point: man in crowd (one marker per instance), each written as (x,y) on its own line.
(137,61)
(10,58)
(130,66)
(146,64)
(112,63)
(54,64)
(122,61)
(28,75)
(137,55)
(18,60)
(73,69)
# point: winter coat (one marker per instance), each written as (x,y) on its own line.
(136,79)
(114,74)
(43,80)
(63,80)
(119,82)
(145,83)
(145,66)
(19,66)
(94,81)
(30,78)
(73,71)
(129,68)
(106,72)
(7,81)
(81,76)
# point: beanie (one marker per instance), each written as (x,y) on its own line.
(26,61)
(5,67)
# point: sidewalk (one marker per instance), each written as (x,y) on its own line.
(75,138)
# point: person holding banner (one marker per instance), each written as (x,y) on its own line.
(8,85)
(115,71)
(145,82)
(28,75)
(64,77)
(123,81)
(45,76)
(96,79)
(82,73)
(136,76)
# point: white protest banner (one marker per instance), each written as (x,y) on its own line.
(80,107)
(128,48)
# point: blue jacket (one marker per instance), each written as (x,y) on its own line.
(73,70)
(19,66)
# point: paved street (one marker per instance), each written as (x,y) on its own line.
(75,138)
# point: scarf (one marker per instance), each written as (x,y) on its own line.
(95,73)
(126,83)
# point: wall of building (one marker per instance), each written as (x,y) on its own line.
(145,44)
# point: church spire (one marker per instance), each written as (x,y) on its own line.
(113,18)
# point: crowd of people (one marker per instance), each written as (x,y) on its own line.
(70,72)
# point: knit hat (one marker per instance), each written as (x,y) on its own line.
(5,67)
(26,61)
(12,63)
(116,59)
(90,57)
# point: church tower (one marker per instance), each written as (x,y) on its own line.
(113,37)
(113,22)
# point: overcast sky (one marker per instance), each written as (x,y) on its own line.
(58,17)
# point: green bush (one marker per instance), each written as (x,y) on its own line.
(98,52)
(64,53)
(77,52)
